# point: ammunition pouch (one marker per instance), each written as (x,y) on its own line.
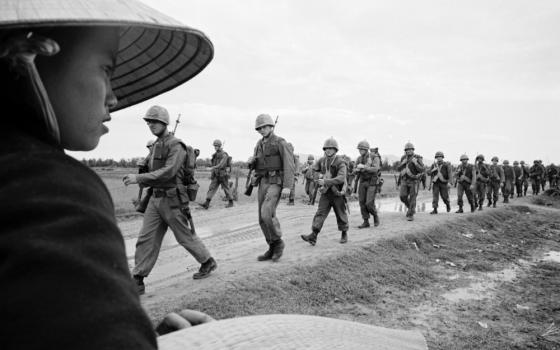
(192,190)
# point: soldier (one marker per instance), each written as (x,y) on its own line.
(350,176)
(552,174)
(525,169)
(518,173)
(218,176)
(535,173)
(367,170)
(307,172)
(496,181)
(274,173)
(543,171)
(440,171)
(167,205)
(466,182)
(509,180)
(482,179)
(331,176)
(411,169)
(292,194)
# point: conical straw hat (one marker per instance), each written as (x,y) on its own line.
(156,52)
(290,332)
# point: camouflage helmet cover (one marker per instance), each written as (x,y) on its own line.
(363,145)
(217,143)
(330,143)
(157,113)
(495,159)
(263,120)
(439,154)
(408,145)
(464,156)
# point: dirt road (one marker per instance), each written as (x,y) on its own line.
(235,239)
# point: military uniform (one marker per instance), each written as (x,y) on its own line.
(440,173)
(482,180)
(509,180)
(525,169)
(350,177)
(466,179)
(274,169)
(166,207)
(518,174)
(543,172)
(367,170)
(411,168)
(307,172)
(219,176)
(496,180)
(552,174)
(292,195)
(536,174)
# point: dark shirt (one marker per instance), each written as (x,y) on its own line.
(65,282)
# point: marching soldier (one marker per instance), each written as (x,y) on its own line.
(543,178)
(218,176)
(350,176)
(307,172)
(332,170)
(411,169)
(466,182)
(496,181)
(482,179)
(274,168)
(525,169)
(440,171)
(552,174)
(292,195)
(518,173)
(509,180)
(535,173)
(367,173)
(166,206)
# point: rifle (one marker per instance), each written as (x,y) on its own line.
(356,181)
(248,183)
(315,190)
(236,185)
(176,123)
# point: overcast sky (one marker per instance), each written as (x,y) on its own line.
(460,77)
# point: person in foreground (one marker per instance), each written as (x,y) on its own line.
(65,278)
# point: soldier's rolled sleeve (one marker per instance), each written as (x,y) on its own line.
(172,165)
(288,164)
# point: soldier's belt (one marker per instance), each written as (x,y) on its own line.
(165,192)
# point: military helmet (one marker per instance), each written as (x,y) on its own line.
(495,159)
(330,143)
(310,157)
(480,156)
(522,162)
(515,162)
(464,156)
(536,161)
(263,120)
(363,145)
(217,143)
(408,145)
(439,154)
(150,143)
(157,113)
(506,162)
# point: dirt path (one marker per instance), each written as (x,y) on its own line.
(235,239)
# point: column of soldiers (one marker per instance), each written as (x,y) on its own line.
(169,171)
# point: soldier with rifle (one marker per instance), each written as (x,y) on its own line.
(219,176)
(552,174)
(308,175)
(543,177)
(440,174)
(411,168)
(525,169)
(168,206)
(509,180)
(518,173)
(536,175)
(273,165)
(367,171)
(496,181)
(331,185)
(482,179)
(465,176)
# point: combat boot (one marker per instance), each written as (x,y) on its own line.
(230,204)
(277,250)
(448,206)
(140,287)
(291,202)
(205,269)
(506,200)
(344,237)
(364,224)
(410,217)
(489,204)
(460,211)
(267,255)
(473,208)
(480,207)
(375,219)
(310,238)
(206,204)
(494,205)
(434,211)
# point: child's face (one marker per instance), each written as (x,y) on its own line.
(77,80)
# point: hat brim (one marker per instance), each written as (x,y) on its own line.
(290,332)
(156,53)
